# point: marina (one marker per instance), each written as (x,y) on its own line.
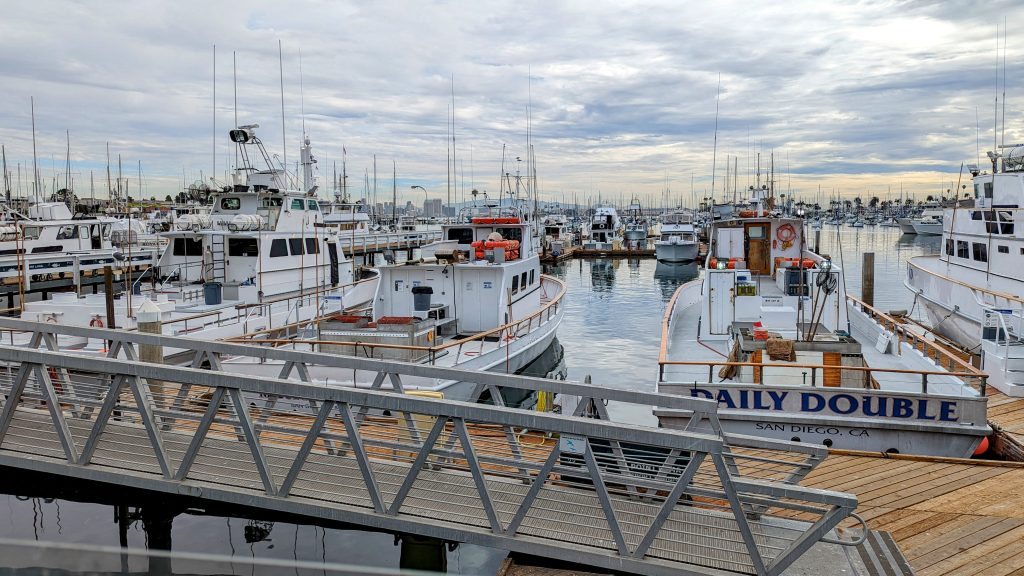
(681,304)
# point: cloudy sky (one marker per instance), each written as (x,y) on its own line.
(854,97)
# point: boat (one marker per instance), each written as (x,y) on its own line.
(604,229)
(770,333)
(678,242)
(930,223)
(857,224)
(259,259)
(636,225)
(557,234)
(971,291)
(475,300)
(906,225)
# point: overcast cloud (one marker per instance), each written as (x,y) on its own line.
(851,96)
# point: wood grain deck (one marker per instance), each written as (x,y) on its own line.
(949,516)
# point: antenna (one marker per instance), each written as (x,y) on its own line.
(234,81)
(302,97)
(35,161)
(714,149)
(214,143)
(284,139)
(1002,136)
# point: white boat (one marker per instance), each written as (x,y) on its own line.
(929,224)
(604,229)
(835,372)
(257,261)
(50,228)
(475,300)
(906,225)
(973,292)
(557,234)
(678,242)
(636,225)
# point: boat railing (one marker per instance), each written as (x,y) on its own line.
(1008,299)
(949,364)
(245,313)
(816,381)
(504,335)
(931,350)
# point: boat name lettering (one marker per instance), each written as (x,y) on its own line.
(840,404)
(810,429)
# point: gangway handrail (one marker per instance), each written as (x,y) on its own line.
(410,464)
(391,372)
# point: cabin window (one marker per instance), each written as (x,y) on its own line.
(1003,249)
(188,247)
(511,233)
(30,232)
(961,249)
(311,246)
(47,249)
(531,277)
(297,204)
(83,232)
(949,246)
(278,248)
(272,202)
(523,281)
(515,284)
(243,247)
(230,203)
(980,252)
(461,235)
(295,244)
(988,189)
(67,232)
(312,205)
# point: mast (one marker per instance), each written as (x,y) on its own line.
(394,194)
(714,149)
(213,143)
(284,138)
(35,161)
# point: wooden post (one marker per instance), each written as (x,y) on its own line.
(817,241)
(867,282)
(108,288)
(149,322)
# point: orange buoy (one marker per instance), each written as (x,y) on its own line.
(982,447)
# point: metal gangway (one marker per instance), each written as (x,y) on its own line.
(611,495)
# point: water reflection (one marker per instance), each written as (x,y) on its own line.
(602,275)
(51,509)
(670,276)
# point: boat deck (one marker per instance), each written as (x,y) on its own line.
(948,516)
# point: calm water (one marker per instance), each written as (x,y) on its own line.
(611,332)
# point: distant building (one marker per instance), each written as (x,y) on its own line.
(433,208)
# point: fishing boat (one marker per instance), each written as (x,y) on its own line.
(770,333)
(475,299)
(604,229)
(678,242)
(972,291)
(906,225)
(930,223)
(557,234)
(636,225)
(258,260)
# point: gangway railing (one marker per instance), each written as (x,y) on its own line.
(753,457)
(605,494)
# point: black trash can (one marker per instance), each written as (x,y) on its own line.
(212,293)
(421,296)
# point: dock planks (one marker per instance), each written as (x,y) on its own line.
(948,516)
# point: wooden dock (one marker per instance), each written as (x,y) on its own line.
(948,516)
(1006,417)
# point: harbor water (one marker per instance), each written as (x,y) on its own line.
(611,333)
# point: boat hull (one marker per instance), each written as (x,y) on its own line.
(930,229)
(675,252)
(840,435)
(906,225)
